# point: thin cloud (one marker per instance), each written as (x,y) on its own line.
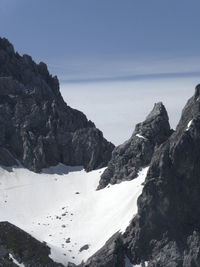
(92,70)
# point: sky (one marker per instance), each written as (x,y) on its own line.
(109,46)
(116,107)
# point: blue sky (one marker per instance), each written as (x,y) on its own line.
(114,58)
(83,40)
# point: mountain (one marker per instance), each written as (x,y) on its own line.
(166,231)
(166,228)
(146,209)
(136,153)
(38,128)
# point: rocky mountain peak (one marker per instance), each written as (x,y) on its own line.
(37,127)
(158,110)
(197,91)
(6,45)
(166,230)
(128,158)
(189,113)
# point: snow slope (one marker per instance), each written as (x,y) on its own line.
(62,207)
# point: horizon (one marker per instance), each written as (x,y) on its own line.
(104,51)
(116,112)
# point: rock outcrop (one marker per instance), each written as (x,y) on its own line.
(37,127)
(128,158)
(166,231)
(111,254)
(23,248)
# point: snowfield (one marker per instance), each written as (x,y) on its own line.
(62,207)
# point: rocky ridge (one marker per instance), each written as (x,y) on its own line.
(136,153)
(166,230)
(23,248)
(37,127)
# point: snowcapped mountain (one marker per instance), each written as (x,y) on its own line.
(69,198)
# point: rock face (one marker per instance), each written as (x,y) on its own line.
(23,248)
(112,254)
(166,231)
(128,158)
(37,127)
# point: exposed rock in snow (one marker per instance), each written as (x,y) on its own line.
(136,153)
(85,247)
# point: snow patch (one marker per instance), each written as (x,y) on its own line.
(48,207)
(15,261)
(140,136)
(188,125)
(144,264)
(129,264)
(11,96)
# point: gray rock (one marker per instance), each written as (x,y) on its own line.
(85,247)
(37,127)
(111,255)
(23,247)
(128,158)
(6,158)
(166,230)
(191,256)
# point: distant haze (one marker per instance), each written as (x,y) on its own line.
(116,107)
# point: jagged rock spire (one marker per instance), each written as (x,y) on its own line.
(136,153)
(166,231)
(158,110)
